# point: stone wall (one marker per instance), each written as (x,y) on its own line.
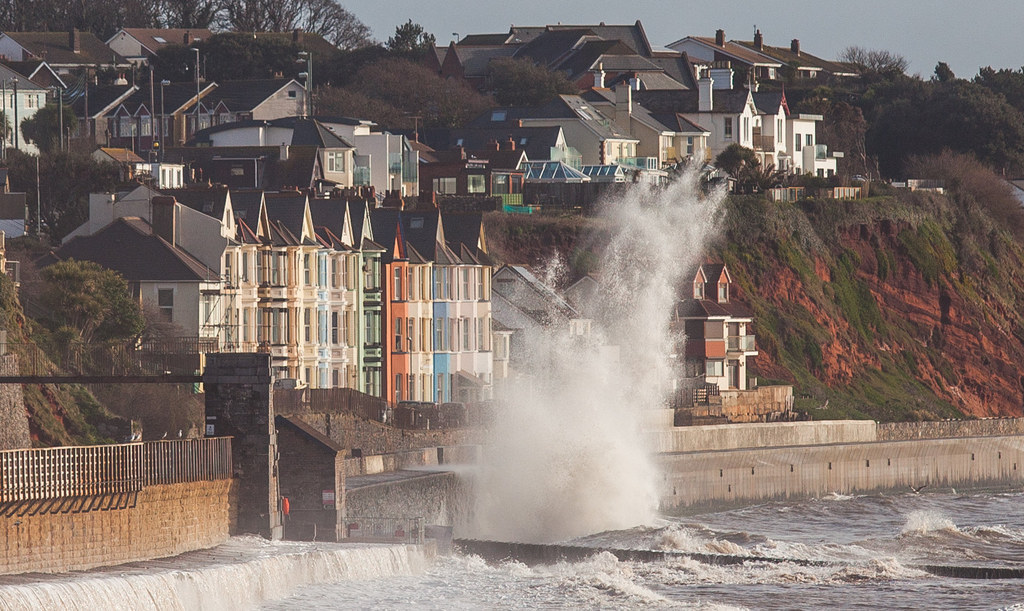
(438,498)
(14,432)
(897,431)
(424,457)
(165,520)
(698,480)
(240,404)
(371,437)
(309,467)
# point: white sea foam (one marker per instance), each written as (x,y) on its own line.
(924,521)
(566,455)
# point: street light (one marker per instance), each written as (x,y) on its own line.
(14,81)
(308,75)
(163,120)
(58,95)
(196,127)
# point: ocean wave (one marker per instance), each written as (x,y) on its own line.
(927,521)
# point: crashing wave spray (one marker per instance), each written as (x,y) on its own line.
(566,456)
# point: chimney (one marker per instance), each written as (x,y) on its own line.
(297,36)
(75,40)
(623,105)
(508,145)
(794,46)
(186,38)
(164,224)
(720,38)
(599,76)
(494,145)
(758,40)
(705,101)
(721,73)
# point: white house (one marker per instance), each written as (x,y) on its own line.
(22,99)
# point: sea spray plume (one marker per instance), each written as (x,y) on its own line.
(566,456)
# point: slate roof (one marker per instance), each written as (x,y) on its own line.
(329,213)
(288,209)
(769,102)
(129,247)
(738,51)
(677,66)
(244,95)
(724,100)
(177,97)
(575,107)
(274,175)
(54,48)
(121,155)
(102,96)
(786,56)
(536,141)
(211,201)
(464,229)
(475,60)
(154,39)
(550,47)
(7,73)
(705,308)
(679,124)
(305,131)
(483,39)
(246,205)
(631,34)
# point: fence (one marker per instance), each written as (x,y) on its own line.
(181,356)
(383,530)
(81,471)
(328,401)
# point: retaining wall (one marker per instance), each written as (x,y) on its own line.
(732,436)
(700,480)
(14,431)
(425,457)
(165,520)
(896,431)
(438,498)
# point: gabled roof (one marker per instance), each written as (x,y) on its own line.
(246,204)
(575,107)
(289,209)
(297,172)
(211,201)
(535,141)
(54,48)
(101,98)
(676,65)
(484,39)
(547,293)
(154,39)
(633,35)
(706,308)
(305,131)
(731,101)
(176,98)
(476,60)
(35,70)
(465,229)
(786,56)
(769,102)
(121,155)
(307,41)
(680,124)
(551,47)
(244,96)
(734,51)
(7,73)
(129,247)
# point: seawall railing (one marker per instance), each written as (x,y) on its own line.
(52,474)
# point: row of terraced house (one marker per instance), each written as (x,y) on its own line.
(340,293)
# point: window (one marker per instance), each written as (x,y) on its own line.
(746,127)
(334,328)
(465,284)
(437,283)
(398,285)
(126,127)
(809,139)
(335,162)
(245,267)
(307,325)
(445,185)
(411,287)
(398,334)
(292,93)
(398,387)
(480,328)
(439,397)
(689,145)
(335,283)
(499,115)
(723,292)
(306,272)
(228,276)
(165,301)
(728,127)
(464,322)
(411,333)
(797,142)
(334,379)
(369,267)
(698,290)
(475,183)
(145,126)
(245,326)
(714,369)
(479,283)
(439,335)
(778,130)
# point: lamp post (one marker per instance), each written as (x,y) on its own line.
(308,75)
(163,120)
(196,127)
(14,82)
(3,132)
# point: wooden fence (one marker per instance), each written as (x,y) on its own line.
(80,471)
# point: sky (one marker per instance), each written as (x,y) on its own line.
(965,35)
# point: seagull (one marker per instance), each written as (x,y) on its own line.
(918,489)
(165,435)
(179,433)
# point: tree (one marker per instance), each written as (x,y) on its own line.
(875,62)
(1009,83)
(43,128)
(189,13)
(336,24)
(734,158)
(91,301)
(520,82)
(410,41)
(943,73)
(66,178)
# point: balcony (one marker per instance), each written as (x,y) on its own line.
(764,144)
(741,343)
(640,163)
(511,199)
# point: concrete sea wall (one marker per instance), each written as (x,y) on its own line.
(702,480)
(733,436)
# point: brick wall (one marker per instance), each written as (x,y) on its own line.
(165,521)
(309,465)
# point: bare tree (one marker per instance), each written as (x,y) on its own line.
(877,61)
(190,13)
(335,23)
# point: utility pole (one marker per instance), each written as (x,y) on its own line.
(308,75)
(15,82)
(196,127)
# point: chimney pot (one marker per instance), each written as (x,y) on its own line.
(758,40)
(795,46)
(75,40)
(720,38)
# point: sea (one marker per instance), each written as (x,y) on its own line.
(867,551)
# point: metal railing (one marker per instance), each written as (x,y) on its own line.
(383,530)
(80,471)
(187,460)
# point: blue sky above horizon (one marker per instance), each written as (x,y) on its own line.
(965,35)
